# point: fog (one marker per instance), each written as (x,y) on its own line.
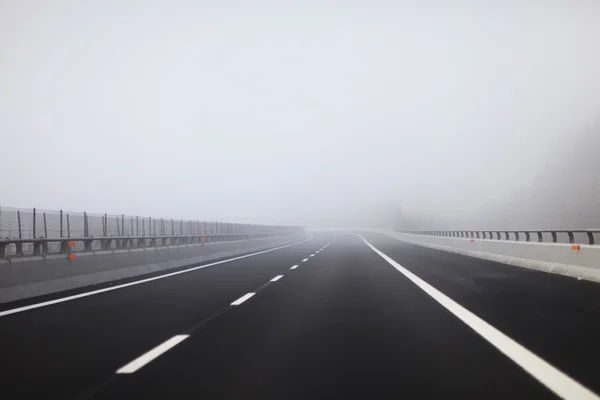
(312,113)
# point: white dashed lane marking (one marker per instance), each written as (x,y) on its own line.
(242,299)
(151,355)
(278,277)
(294,267)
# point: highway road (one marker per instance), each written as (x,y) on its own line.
(342,316)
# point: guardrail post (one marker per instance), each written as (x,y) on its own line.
(517,236)
(34,222)
(483,235)
(85,230)
(102,241)
(45,242)
(527,237)
(61,223)
(554,238)
(477,234)
(19,222)
(540,237)
(37,248)
(119,242)
(498,235)
(571,237)
(590,237)
(64,246)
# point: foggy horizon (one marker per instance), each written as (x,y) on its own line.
(300,114)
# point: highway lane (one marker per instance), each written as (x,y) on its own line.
(308,323)
(60,350)
(552,315)
(345,324)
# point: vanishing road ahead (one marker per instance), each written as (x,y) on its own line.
(328,317)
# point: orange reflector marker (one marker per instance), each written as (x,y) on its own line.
(71,244)
(575,247)
(72,256)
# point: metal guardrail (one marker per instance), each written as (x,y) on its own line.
(40,246)
(33,232)
(510,234)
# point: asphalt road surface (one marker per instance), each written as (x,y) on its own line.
(330,317)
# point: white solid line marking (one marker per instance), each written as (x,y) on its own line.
(108,289)
(294,267)
(278,277)
(151,355)
(305,260)
(242,299)
(555,380)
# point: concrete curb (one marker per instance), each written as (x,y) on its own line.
(16,260)
(574,271)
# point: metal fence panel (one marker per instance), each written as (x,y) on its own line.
(23,223)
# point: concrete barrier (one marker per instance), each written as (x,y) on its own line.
(36,276)
(583,262)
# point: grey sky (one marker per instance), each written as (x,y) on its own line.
(277,112)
